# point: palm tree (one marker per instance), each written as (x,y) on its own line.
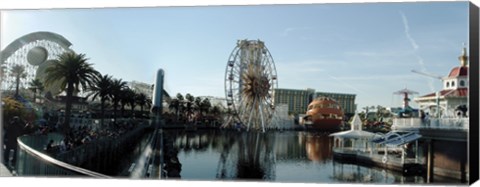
(205,105)
(197,106)
(142,100)
(189,104)
(18,71)
(124,100)
(74,73)
(174,105)
(130,98)
(101,88)
(181,104)
(367,108)
(36,85)
(216,111)
(116,91)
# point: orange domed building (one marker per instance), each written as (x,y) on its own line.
(323,113)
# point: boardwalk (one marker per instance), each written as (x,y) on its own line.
(4,172)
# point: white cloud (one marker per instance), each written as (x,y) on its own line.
(397,53)
(286,32)
(380,77)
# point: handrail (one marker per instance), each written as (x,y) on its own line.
(58,163)
(434,123)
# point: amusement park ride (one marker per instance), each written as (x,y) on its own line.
(35,52)
(406,111)
(250,81)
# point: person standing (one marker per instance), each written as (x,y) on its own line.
(14,130)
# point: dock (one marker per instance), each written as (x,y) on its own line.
(409,166)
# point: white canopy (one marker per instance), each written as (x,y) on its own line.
(355,130)
(353,134)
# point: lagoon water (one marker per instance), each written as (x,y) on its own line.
(288,156)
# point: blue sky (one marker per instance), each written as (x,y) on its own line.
(364,49)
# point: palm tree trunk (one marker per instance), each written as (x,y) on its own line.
(17,85)
(102,108)
(115,112)
(176,113)
(132,113)
(68,108)
(35,95)
(122,110)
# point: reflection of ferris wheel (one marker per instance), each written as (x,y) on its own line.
(35,52)
(250,81)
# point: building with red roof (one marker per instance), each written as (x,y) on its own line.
(452,100)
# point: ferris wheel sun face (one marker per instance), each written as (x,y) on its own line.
(250,81)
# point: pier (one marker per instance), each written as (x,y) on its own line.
(445,145)
(437,147)
(407,166)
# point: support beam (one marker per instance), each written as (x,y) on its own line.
(416,151)
(250,118)
(403,155)
(430,163)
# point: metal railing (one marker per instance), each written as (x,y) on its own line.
(99,155)
(33,161)
(434,123)
(379,156)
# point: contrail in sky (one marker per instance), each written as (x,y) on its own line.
(415,48)
(407,31)
(346,84)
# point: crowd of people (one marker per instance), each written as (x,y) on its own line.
(75,137)
(81,135)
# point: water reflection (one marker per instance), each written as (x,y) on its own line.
(317,146)
(272,156)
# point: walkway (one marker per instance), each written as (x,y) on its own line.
(4,172)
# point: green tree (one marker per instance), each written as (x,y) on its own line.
(197,105)
(206,105)
(36,85)
(382,112)
(174,105)
(11,108)
(142,101)
(117,85)
(189,104)
(177,104)
(74,74)
(216,110)
(127,98)
(218,113)
(131,97)
(18,71)
(367,111)
(101,88)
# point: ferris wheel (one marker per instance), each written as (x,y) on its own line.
(250,83)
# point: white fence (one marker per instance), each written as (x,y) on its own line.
(434,123)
